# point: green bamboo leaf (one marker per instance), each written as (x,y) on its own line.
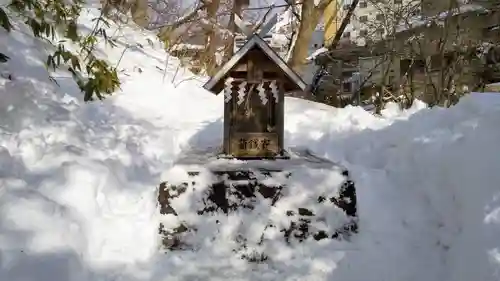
(4,20)
(3,58)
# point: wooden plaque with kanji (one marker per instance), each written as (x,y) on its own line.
(254,118)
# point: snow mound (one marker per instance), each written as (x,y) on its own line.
(255,214)
(78,181)
(266,207)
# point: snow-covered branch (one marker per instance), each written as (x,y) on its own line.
(190,16)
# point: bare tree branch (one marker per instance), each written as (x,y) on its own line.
(202,4)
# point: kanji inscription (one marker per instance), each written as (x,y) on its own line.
(254,144)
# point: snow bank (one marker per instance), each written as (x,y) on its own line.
(428,181)
(78,181)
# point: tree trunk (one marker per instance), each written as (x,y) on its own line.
(211,40)
(237,7)
(139,11)
(310,17)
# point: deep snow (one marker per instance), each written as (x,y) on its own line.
(78,181)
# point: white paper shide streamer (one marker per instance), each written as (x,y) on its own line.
(262,93)
(274,89)
(228,89)
(242,92)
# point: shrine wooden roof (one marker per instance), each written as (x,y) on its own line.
(255,41)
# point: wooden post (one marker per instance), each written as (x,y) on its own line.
(281,116)
(227,115)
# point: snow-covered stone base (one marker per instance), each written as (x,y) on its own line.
(308,200)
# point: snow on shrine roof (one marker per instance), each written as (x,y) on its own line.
(255,40)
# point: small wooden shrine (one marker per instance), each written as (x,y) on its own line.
(254,82)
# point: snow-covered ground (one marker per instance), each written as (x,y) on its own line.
(78,181)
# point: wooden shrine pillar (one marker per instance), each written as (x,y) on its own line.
(254,82)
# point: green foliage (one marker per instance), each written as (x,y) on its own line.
(3,58)
(52,19)
(4,20)
(5,23)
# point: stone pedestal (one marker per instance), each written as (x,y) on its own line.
(214,186)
